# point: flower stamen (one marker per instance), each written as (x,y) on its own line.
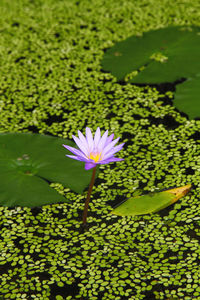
(95,156)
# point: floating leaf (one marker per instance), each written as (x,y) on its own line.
(29,162)
(150,203)
(187,97)
(160,56)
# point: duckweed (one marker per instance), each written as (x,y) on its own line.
(52,83)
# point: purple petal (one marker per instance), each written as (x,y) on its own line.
(77,157)
(102,141)
(82,138)
(109,146)
(109,139)
(97,137)
(89,166)
(111,159)
(89,139)
(113,151)
(75,151)
(81,145)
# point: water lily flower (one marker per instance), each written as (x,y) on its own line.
(99,150)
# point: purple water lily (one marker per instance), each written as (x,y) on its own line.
(99,150)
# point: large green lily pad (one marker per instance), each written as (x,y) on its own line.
(159,56)
(29,162)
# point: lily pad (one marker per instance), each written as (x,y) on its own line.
(159,56)
(150,203)
(187,97)
(29,162)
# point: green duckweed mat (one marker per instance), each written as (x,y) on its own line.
(51,82)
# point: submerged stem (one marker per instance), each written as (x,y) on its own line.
(88,196)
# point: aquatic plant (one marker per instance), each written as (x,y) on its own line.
(100,150)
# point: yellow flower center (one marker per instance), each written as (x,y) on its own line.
(95,156)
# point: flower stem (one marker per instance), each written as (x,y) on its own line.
(88,196)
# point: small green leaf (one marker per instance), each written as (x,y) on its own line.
(150,203)
(29,162)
